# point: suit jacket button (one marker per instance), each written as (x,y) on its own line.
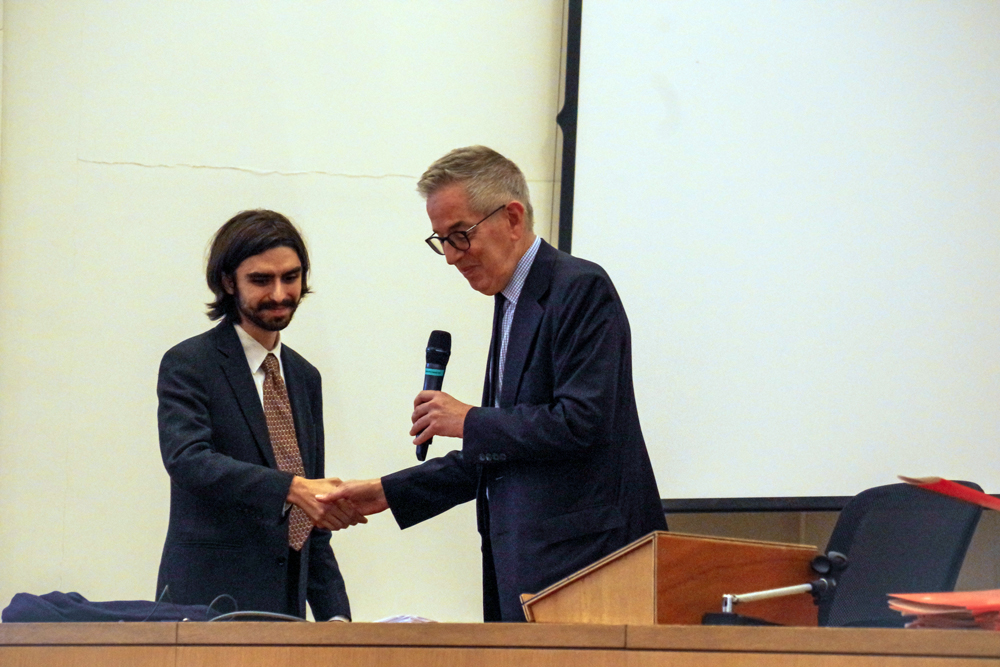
(281,560)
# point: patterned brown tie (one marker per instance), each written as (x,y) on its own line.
(281,428)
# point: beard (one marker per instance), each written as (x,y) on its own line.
(260,315)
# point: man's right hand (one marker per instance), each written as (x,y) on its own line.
(329,515)
(364,495)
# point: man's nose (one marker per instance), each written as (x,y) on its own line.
(280,291)
(452,254)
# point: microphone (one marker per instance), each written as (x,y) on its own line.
(438,351)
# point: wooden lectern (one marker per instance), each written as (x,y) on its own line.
(673,578)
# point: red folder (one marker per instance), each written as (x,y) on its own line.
(976,602)
(958,609)
(955,490)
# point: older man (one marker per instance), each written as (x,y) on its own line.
(555,458)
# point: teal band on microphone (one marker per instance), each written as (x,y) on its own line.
(439,372)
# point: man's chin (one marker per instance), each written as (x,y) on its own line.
(273,323)
(279,323)
(480,285)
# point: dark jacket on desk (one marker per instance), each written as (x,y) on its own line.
(228,531)
(560,470)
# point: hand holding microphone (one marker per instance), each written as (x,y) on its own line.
(435,412)
(438,352)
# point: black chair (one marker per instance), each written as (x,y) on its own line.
(898,539)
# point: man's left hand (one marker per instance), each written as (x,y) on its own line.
(437,413)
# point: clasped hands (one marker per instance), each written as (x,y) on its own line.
(331,515)
(348,503)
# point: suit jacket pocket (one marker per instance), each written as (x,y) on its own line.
(206,544)
(590,520)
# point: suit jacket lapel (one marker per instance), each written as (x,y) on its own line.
(527,318)
(234,364)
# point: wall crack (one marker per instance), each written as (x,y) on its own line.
(245,170)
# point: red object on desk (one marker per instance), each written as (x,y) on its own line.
(955,490)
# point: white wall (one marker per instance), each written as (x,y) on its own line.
(131,131)
(1,69)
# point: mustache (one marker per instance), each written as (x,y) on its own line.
(274,305)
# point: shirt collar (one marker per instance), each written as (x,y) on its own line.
(512,291)
(254,351)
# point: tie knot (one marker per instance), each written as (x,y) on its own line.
(271,364)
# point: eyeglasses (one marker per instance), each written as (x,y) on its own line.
(458,240)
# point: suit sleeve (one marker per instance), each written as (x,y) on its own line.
(426,490)
(581,361)
(193,453)
(325,589)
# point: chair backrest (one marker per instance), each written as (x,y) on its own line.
(898,539)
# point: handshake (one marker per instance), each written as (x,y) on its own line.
(333,504)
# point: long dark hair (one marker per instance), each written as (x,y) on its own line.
(247,234)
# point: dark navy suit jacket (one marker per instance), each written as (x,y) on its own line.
(228,531)
(560,470)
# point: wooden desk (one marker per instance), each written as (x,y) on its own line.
(475,645)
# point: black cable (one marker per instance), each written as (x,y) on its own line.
(152,611)
(269,615)
(208,612)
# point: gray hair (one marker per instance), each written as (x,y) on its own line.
(490,179)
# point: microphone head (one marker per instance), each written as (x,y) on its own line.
(439,348)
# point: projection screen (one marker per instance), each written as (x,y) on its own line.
(799,203)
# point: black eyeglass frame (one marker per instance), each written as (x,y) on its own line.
(460,235)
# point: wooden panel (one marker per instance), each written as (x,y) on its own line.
(87,656)
(683,577)
(389,656)
(841,641)
(616,590)
(694,572)
(502,645)
(405,634)
(644,659)
(87,633)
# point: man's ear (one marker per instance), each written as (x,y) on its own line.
(515,214)
(227,284)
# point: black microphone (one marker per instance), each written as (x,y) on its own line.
(438,351)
